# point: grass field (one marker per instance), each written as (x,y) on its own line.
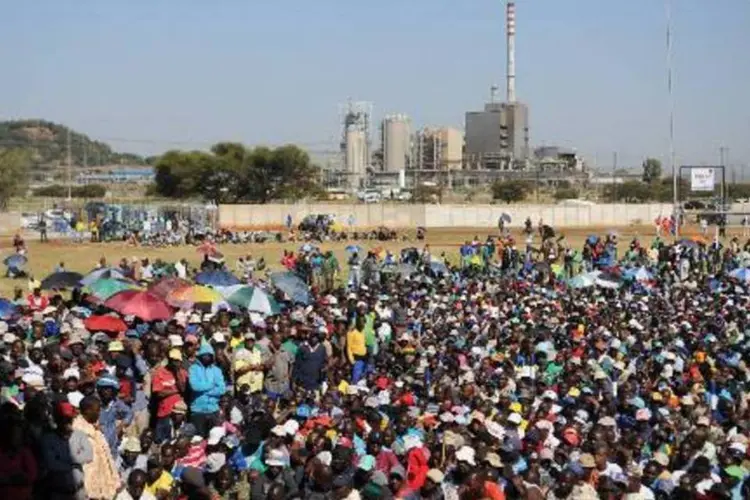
(82,257)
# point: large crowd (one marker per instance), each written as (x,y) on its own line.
(618,370)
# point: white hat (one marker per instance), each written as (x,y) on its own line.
(219,338)
(466,454)
(71,372)
(325,457)
(9,338)
(194,318)
(515,418)
(33,380)
(215,435)
(277,458)
(3,327)
(279,431)
(74,398)
(176,341)
(495,430)
(131,444)
(214,462)
(291,427)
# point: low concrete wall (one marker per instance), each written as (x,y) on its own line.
(410,216)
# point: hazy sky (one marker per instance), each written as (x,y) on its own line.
(159,74)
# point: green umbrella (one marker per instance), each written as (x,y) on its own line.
(105,288)
(254,299)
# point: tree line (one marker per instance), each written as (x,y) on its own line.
(231,172)
(651,187)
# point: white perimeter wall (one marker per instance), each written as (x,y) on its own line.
(410,216)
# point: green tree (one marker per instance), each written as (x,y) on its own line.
(232,173)
(14,165)
(510,191)
(651,170)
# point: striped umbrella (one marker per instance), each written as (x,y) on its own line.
(254,299)
(105,288)
(196,294)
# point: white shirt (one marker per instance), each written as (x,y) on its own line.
(124,495)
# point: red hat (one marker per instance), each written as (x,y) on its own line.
(570,436)
(66,410)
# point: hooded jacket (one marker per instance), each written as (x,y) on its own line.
(206,383)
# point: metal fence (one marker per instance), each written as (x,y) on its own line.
(113,218)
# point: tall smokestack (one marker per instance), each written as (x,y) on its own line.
(510,21)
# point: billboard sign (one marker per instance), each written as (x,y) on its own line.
(702,179)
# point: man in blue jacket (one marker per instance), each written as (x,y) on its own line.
(207,385)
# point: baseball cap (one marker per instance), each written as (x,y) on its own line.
(215,435)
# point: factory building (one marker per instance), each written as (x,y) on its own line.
(396,143)
(438,149)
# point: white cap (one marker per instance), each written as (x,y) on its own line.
(176,341)
(219,338)
(466,454)
(515,418)
(74,398)
(215,435)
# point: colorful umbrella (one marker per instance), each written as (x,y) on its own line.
(165,286)
(254,299)
(7,309)
(216,278)
(65,279)
(293,286)
(105,288)
(143,305)
(105,323)
(187,297)
(16,260)
(103,273)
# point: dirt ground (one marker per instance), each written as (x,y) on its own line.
(82,257)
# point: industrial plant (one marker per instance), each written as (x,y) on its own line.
(495,144)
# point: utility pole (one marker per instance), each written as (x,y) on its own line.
(672,159)
(722,162)
(70,179)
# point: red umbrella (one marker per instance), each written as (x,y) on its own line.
(165,286)
(144,305)
(105,323)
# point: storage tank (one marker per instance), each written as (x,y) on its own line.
(396,143)
(356,150)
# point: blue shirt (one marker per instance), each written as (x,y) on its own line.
(114,411)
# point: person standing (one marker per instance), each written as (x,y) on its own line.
(356,349)
(64,453)
(278,376)
(247,365)
(100,474)
(310,363)
(207,385)
(115,415)
(169,383)
(43,229)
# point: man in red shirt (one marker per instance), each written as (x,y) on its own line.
(167,387)
(36,301)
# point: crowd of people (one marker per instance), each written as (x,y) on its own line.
(495,376)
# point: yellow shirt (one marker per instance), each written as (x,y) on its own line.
(244,358)
(355,344)
(164,482)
